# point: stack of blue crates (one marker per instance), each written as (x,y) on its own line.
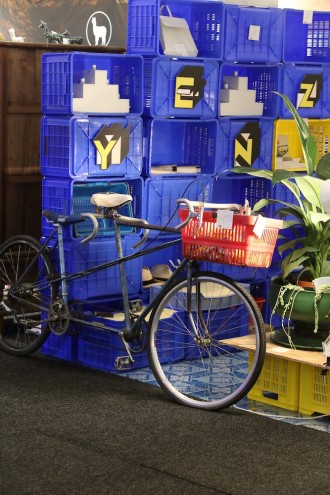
(92,142)
(180,108)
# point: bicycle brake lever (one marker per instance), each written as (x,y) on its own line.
(200,218)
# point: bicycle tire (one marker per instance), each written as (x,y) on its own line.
(206,371)
(26,295)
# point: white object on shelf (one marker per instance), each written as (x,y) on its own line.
(175,36)
(13,37)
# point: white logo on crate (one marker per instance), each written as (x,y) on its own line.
(98,29)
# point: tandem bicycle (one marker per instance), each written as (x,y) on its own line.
(193,354)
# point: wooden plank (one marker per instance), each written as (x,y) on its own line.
(313,358)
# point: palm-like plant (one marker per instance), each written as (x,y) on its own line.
(308,246)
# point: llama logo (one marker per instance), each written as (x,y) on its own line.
(98,29)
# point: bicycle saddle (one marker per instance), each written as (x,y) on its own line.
(110,200)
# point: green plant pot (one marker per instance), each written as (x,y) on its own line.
(302,317)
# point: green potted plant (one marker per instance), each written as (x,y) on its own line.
(304,245)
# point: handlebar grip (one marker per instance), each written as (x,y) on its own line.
(192,213)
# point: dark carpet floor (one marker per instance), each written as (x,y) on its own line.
(71,430)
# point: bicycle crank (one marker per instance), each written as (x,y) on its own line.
(59,317)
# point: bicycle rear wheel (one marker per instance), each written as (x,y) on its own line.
(197,356)
(26,295)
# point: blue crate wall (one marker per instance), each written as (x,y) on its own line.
(253,34)
(60,71)
(308,84)
(199,77)
(204,18)
(245,143)
(69,196)
(103,283)
(237,188)
(161,196)
(306,37)
(68,149)
(180,146)
(262,82)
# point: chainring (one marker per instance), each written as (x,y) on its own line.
(59,317)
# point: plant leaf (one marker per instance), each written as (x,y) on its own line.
(320,217)
(264,174)
(288,266)
(310,188)
(323,167)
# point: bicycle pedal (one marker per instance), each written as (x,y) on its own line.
(123,363)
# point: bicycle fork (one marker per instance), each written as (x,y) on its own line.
(201,338)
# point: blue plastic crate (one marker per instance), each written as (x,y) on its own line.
(253,34)
(245,143)
(62,89)
(308,88)
(204,18)
(306,36)
(247,274)
(173,79)
(100,349)
(76,146)
(181,147)
(237,188)
(61,347)
(162,193)
(69,196)
(103,283)
(248,90)
(147,77)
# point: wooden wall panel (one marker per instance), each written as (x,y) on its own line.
(23,206)
(23,143)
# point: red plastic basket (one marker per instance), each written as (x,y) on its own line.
(236,246)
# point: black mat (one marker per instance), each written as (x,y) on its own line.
(71,430)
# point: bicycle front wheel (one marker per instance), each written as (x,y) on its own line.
(26,295)
(197,341)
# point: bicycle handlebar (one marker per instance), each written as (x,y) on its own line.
(144,224)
